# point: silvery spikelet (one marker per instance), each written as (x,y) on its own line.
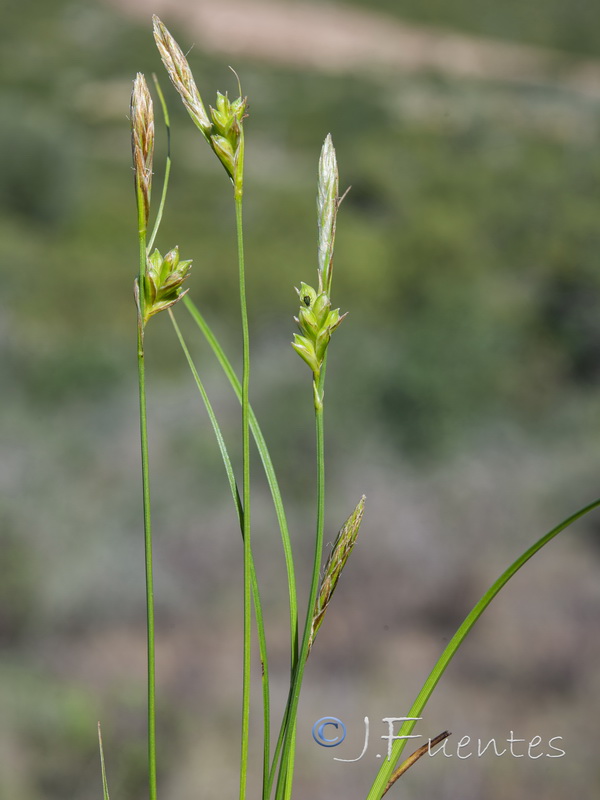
(327,206)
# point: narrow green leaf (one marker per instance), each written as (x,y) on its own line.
(260,626)
(387,768)
(265,457)
(163,196)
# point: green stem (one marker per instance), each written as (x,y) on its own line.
(278,746)
(146,504)
(149,575)
(260,627)
(284,781)
(245,495)
(268,468)
(387,768)
(289,772)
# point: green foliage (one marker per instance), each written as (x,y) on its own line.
(38,161)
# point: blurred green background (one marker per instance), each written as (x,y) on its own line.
(462,390)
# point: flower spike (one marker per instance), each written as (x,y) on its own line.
(142,141)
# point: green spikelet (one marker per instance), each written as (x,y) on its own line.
(317,321)
(336,562)
(162,282)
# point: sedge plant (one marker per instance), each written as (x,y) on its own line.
(159,287)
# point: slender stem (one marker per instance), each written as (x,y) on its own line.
(165,185)
(385,772)
(260,626)
(268,468)
(245,496)
(146,505)
(284,781)
(149,574)
(278,745)
(277,502)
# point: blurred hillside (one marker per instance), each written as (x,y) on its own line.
(462,392)
(566,26)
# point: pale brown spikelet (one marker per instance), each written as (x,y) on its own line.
(142,139)
(181,76)
(338,557)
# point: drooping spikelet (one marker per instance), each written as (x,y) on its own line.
(338,557)
(223,128)
(142,141)
(181,76)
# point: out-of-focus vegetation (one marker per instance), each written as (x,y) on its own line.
(472,218)
(468,258)
(565,26)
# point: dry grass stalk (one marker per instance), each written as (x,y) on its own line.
(412,759)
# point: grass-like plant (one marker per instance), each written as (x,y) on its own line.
(158,287)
